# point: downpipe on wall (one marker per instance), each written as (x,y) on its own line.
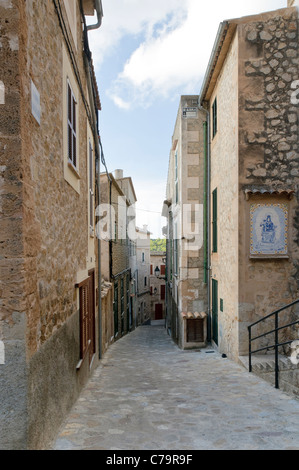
(207,216)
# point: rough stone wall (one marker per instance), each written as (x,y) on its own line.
(269,157)
(45,246)
(120,247)
(188,290)
(192,290)
(13,380)
(144,299)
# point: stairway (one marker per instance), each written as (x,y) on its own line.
(264,367)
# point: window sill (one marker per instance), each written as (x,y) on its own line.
(73,169)
(264,256)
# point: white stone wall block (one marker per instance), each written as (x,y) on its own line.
(2,93)
(2,353)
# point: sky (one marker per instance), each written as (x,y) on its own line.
(147,54)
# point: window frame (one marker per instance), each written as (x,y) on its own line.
(72,152)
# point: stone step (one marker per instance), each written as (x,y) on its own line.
(266,362)
(264,367)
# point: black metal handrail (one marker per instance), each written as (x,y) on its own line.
(276,344)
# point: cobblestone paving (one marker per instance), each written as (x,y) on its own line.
(149,395)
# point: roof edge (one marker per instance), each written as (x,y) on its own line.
(224,36)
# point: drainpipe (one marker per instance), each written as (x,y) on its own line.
(207,215)
(99,10)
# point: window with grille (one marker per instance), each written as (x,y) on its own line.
(71,125)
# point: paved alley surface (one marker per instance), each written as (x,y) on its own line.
(149,395)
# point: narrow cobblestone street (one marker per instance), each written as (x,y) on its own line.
(149,395)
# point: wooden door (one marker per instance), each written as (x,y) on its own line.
(158,312)
(91,314)
(215,310)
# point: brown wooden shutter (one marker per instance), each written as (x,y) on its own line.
(162,269)
(162,292)
(195,331)
(87,317)
(84,318)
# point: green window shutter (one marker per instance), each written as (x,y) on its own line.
(215,310)
(215,229)
(115,308)
(214,116)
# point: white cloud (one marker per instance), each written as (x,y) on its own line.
(176,42)
(130,17)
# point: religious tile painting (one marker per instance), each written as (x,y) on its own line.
(268,229)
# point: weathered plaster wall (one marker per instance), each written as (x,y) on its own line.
(269,156)
(224,177)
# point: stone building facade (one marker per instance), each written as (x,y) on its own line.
(143,250)
(158,286)
(117,197)
(50,296)
(184,209)
(248,92)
